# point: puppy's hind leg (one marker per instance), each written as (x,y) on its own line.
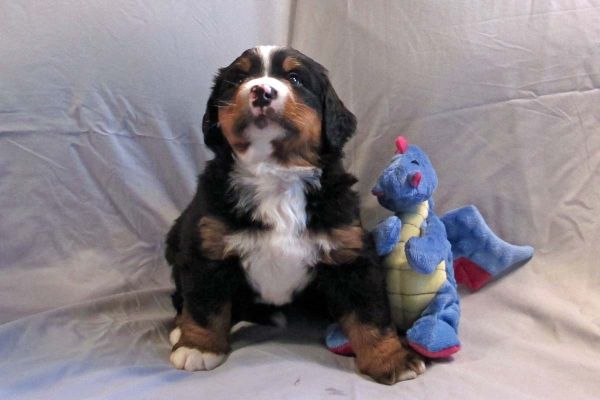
(357,298)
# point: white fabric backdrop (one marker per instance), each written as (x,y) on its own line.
(100,142)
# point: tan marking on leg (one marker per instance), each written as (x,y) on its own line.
(346,242)
(212,238)
(379,353)
(213,338)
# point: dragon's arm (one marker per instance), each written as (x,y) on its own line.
(425,252)
(387,235)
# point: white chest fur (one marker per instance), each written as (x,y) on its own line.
(277,261)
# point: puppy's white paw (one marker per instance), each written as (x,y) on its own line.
(407,375)
(419,366)
(194,360)
(174,336)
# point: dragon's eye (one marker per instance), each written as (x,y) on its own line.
(415,162)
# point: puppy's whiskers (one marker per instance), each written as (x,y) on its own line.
(223,103)
(231,82)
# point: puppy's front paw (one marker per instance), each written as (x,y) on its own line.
(195,360)
(389,363)
(174,336)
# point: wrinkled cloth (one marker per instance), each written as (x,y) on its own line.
(101,106)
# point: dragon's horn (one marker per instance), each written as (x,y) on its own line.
(401,145)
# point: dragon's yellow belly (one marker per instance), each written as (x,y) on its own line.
(410,292)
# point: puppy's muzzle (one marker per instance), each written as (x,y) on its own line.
(266,98)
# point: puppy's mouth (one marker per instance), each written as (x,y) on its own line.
(262,115)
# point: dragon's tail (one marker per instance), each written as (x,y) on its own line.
(479,254)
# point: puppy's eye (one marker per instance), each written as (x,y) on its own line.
(294,79)
(415,162)
(240,79)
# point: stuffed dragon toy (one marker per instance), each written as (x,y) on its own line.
(425,256)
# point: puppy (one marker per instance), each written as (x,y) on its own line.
(274,216)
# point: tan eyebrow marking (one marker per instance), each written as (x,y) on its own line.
(290,63)
(244,64)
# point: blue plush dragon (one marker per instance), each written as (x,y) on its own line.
(425,255)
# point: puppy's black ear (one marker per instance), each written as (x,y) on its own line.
(213,137)
(339,124)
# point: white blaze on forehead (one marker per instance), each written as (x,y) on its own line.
(265,54)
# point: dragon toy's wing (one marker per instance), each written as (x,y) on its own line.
(479,254)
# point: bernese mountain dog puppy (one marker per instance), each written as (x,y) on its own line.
(274,217)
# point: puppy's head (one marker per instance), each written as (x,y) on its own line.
(275,102)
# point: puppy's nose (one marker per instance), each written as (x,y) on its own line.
(262,95)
